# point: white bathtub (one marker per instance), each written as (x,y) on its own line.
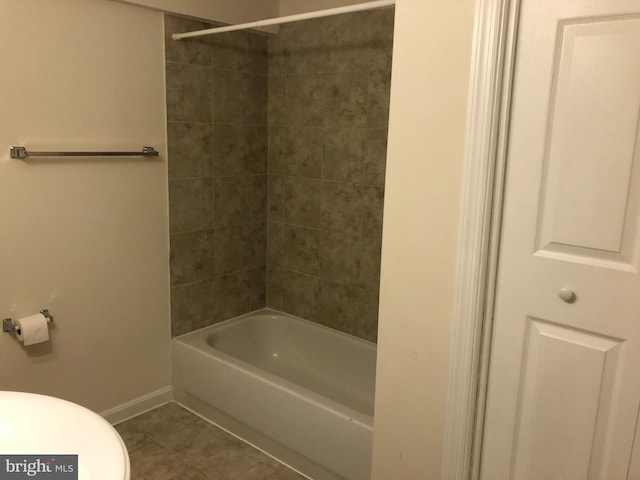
(297,390)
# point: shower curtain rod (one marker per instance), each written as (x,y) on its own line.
(288,19)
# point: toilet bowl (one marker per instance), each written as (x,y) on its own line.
(49,427)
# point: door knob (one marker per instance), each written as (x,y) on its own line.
(567,295)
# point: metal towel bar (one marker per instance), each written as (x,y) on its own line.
(21,153)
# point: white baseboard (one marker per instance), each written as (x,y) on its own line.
(138,405)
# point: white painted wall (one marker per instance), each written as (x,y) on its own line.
(224,11)
(432,49)
(290,7)
(87,239)
(239,11)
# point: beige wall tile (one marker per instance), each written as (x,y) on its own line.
(190,153)
(217,110)
(329,82)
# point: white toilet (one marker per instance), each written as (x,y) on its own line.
(32,424)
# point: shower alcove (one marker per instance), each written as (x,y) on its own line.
(277,147)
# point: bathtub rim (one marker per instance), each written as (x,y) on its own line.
(267,310)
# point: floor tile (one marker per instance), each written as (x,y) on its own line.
(202,440)
(285,473)
(232,465)
(133,437)
(171,443)
(189,474)
(154,462)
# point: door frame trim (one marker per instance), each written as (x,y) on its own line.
(493,56)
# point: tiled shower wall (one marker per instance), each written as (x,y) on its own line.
(328,111)
(328,97)
(217,134)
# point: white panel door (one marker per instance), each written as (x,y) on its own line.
(564,379)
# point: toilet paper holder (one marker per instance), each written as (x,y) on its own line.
(8,326)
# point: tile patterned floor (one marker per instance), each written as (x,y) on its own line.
(171,443)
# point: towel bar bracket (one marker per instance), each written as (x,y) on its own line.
(18,152)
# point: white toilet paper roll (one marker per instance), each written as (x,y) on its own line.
(32,329)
